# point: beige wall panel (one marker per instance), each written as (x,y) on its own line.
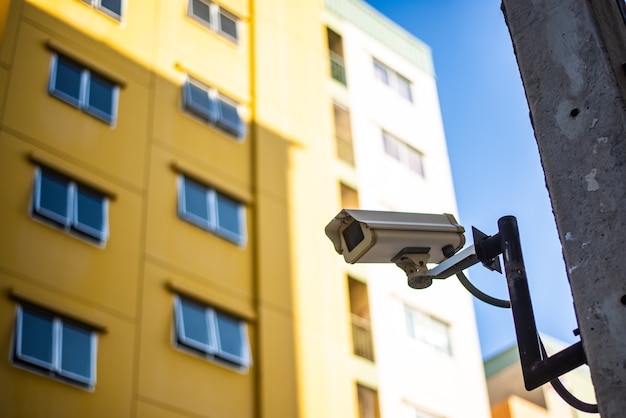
(273,239)
(211,293)
(191,138)
(297,19)
(180,379)
(188,248)
(238,7)
(325,358)
(274,264)
(4,85)
(8,31)
(293,117)
(117,150)
(134,36)
(27,394)
(272,164)
(202,52)
(292,91)
(277,359)
(146,408)
(315,196)
(4,13)
(51,257)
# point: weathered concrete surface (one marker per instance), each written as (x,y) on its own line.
(570,55)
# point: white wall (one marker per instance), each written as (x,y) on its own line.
(410,372)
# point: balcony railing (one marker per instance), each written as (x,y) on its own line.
(337,68)
(362,337)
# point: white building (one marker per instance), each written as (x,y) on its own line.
(424,360)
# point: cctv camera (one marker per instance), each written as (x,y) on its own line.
(366,236)
(410,240)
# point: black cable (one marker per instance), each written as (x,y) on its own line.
(573,401)
(565,394)
(500,303)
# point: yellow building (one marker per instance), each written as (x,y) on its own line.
(148,225)
(168,167)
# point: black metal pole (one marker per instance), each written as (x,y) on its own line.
(536,369)
(523,316)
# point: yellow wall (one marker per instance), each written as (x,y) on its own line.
(291,64)
(283,282)
(516,407)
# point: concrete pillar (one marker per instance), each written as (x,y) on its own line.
(570,54)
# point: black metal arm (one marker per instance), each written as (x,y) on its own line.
(537,368)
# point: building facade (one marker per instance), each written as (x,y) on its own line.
(421,346)
(510,399)
(168,169)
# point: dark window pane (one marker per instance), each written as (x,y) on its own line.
(36,339)
(343,129)
(368,402)
(229,331)
(67,79)
(229,118)
(228,215)
(197,101)
(196,199)
(53,195)
(194,321)
(114,6)
(201,10)
(76,351)
(90,210)
(228,26)
(101,94)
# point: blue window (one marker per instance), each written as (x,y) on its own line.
(213,107)
(212,333)
(55,346)
(215,18)
(211,210)
(111,8)
(80,87)
(69,205)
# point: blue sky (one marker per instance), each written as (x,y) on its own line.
(493,154)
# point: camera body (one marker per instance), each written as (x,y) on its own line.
(366,236)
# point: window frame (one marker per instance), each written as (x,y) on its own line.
(211,349)
(400,84)
(400,151)
(54,368)
(427,320)
(213,114)
(82,102)
(97,4)
(212,223)
(215,19)
(70,222)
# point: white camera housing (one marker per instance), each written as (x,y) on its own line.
(366,236)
